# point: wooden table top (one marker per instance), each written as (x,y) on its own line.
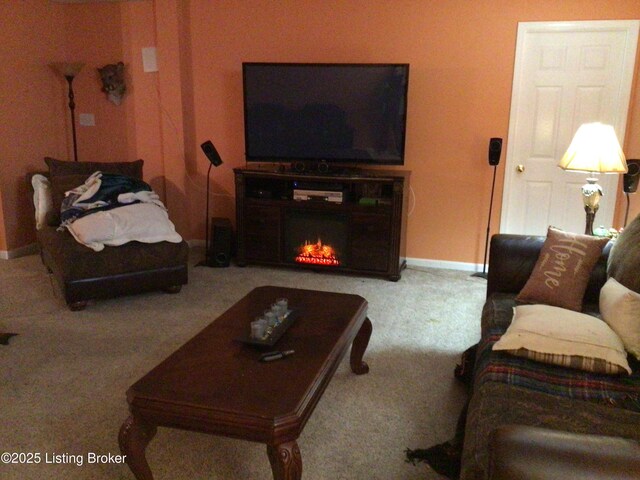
(216,384)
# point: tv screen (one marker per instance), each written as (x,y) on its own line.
(349,113)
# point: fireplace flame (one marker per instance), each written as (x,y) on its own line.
(317,254)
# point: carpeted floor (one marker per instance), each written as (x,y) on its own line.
(64,377)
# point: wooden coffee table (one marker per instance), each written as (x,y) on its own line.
(214,384)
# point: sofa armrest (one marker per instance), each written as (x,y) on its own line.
(533,453)
(512,258)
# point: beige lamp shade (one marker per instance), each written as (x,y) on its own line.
(594,148)
(67,69)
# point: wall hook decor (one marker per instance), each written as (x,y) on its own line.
(112,77)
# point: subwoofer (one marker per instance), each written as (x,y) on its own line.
(221,242)
(632,177)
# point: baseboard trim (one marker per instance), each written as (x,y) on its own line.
(411,262)
(446,264)
(19,252)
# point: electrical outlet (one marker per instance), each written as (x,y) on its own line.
(87,119)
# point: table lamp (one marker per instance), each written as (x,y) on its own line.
(594,149)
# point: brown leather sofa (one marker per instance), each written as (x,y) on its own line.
(83,274)
(519,452)
(519,432)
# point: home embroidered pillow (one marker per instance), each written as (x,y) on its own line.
(561,273)
(562,337)
(620,308)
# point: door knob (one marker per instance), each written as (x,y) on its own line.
(520,168)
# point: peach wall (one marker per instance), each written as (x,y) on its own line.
(32,107)
(461,55)
(3,237)
(93,34)
(142,105)
(173,86)
(35,103)
(631,149)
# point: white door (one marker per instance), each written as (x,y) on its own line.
(566,74)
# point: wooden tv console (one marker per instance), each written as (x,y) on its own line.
(372,215)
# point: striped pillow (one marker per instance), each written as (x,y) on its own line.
(563,337)
(596,365)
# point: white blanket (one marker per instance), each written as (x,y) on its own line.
(142,222)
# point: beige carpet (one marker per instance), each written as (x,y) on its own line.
(63,380)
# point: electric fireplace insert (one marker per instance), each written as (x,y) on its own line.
(317,239)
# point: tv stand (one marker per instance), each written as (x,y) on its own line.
(343,221)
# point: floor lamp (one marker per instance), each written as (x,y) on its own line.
(495,149)
(215,161)
(69,72)
(594,149)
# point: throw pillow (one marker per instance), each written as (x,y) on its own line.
(60,167)
(561,273)
(562,337)
(620,308)
(42,200)
(624,259)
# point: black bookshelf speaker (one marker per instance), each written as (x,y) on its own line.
(495,149)
(323,166)
(221,243)
(211,153)
(299,166)
(632,177)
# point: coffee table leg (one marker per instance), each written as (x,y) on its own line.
(358,366)
(135,435)
(286,461)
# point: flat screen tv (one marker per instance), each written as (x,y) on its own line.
(340,113)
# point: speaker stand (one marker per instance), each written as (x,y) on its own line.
(481,274)
(484,273)
(626,213)
(207,252)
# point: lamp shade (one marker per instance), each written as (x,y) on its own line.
(67,69)
(594,148)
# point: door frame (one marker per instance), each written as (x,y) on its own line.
(630,26)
